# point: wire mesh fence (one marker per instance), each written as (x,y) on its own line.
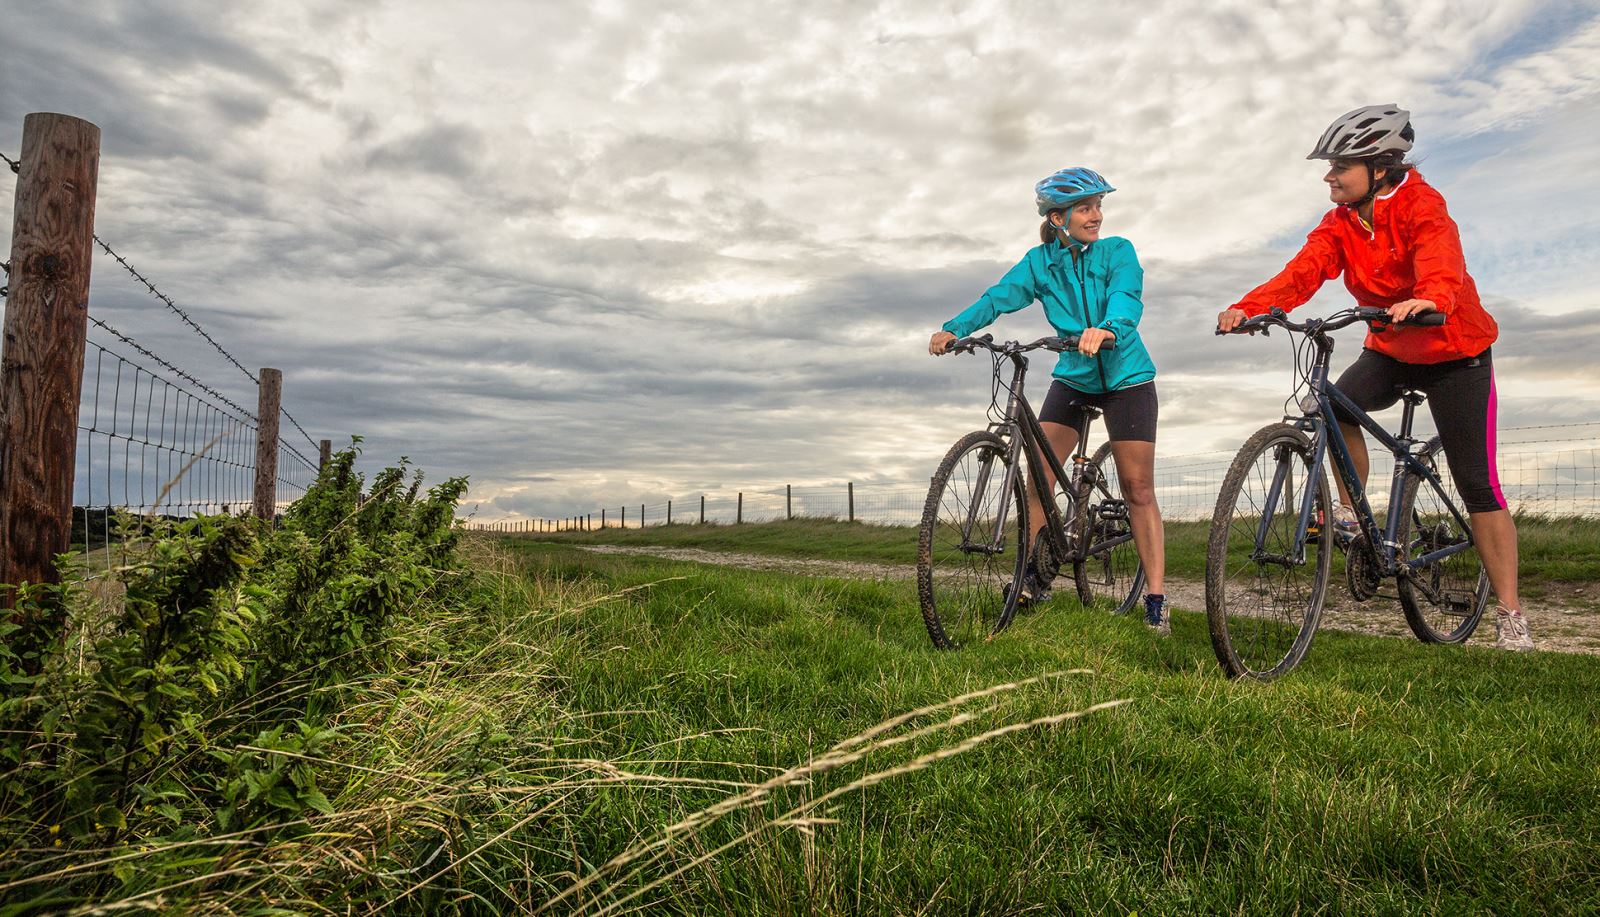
(152,439)
(155,441)
(1543,470)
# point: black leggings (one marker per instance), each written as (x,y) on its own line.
(1461,397)
(1130,413)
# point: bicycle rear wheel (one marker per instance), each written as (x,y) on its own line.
(1443,601)
(1262,605)
(968,556)
(1108,570)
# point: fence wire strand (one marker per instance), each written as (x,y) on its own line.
(167,300)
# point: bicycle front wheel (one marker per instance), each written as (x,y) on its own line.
(1444,600)
(1108,570)
(1263,601)
(971,544)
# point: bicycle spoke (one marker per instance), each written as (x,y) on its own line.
(1262,605)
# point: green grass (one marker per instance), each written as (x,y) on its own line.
(1381,777)
(647,736)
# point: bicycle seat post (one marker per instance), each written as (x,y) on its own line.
(1411,399)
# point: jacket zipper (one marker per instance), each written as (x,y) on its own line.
(1083,296)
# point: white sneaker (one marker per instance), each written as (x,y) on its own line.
(1511,630)
(1346,527)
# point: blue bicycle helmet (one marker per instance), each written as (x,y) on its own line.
(1068,185)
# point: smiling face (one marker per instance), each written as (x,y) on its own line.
(1082,221)
(1348,181)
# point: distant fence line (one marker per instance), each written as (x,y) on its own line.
(94,422)
(1550,470)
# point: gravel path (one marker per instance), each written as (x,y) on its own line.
(1565,619)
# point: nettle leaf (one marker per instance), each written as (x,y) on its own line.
(316,800)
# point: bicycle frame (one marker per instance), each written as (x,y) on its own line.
(1322,425)
(1022,432)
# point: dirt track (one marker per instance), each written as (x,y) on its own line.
(1566,619)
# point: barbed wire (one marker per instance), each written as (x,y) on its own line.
(309,440)
(177,311)
(16,167)
(168,366)
(189,320)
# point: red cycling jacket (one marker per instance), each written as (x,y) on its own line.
(1412,251)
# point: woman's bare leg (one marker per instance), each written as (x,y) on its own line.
(1136,472)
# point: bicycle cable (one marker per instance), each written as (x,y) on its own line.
(1303,349)
(997,414)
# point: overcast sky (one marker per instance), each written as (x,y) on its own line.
(615,251)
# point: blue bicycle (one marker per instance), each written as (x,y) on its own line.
(1271,545)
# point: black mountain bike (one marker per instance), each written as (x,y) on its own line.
(972,549)
(1272,538)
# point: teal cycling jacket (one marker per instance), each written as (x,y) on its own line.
(1101,290)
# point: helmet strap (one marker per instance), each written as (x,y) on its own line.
(1372,186)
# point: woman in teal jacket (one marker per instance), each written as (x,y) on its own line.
(1090,288)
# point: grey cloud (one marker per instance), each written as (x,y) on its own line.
(452,150)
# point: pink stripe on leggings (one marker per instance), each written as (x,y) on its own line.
(1490,422)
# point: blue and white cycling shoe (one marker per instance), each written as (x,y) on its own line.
(1155,615)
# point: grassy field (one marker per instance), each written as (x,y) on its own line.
(1382,777)
(577,733)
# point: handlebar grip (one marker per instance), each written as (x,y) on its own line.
(1430,319)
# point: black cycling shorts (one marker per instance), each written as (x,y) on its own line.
(1130,413)
(1461,397)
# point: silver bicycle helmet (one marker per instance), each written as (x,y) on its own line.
(1366,132)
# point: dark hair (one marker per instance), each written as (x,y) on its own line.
(1048,230)
(1394,165)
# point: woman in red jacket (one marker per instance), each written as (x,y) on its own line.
(1398,249)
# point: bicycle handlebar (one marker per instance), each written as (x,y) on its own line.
(1279,318)
(1053,344)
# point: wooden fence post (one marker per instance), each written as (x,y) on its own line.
(788,501)
(852,499)
(669,512)
(325,453)
(702,509)
(624,522)
(46,325)
(641,515)
(738,517)
(271,396)
(602,517)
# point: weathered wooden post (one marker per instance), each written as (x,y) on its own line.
(271,396)
(669,512)
(46,324)
(850,496)
(788,501)
(325,453)
(738,516)
(602,517)
(641,515)
(702,509)
(624,522)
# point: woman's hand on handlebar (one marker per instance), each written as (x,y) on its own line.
(1229,319)
(1090,341)
(940,342)
(1401,311)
